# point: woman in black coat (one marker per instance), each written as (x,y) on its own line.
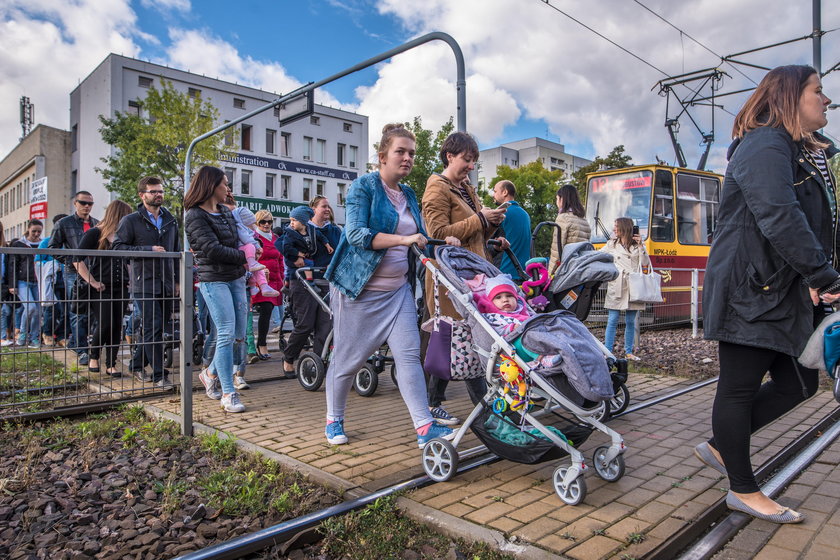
(770,264)
(211,232)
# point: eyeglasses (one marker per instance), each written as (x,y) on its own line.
(85,202)
(264,222)
(153,192)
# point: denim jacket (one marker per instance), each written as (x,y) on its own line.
(368,212)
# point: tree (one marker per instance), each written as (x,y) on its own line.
(616,158)
(155,143)
(536,189)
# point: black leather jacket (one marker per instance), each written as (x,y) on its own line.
(215,243)
(136,232)
(67,233)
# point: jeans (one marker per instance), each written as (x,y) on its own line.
(629,329)
(78,340)
(9,319)
(30,321)
(228,307)
(743,404)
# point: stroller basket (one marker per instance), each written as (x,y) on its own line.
(501,435)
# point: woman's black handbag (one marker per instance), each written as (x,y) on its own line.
(80,297)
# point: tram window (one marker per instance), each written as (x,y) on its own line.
(662,225)
(697,206)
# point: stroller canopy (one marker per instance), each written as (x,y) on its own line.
(580,264)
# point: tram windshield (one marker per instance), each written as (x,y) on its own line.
(615,196)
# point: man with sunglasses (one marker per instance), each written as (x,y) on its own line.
(66,235)
(154,282)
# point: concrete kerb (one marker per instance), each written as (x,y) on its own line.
(447,524)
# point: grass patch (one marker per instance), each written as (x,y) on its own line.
(23,371)
(382,531)
(220,447)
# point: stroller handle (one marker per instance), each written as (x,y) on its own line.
(434,242)
(495,244)
(316,269)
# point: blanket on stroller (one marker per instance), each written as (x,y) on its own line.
(580,264)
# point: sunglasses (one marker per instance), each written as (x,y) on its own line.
(85,202)
(263,222)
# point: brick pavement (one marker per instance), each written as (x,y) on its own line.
(664,487)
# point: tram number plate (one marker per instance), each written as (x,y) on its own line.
(569,300)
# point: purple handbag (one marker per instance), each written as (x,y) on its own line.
(438,352)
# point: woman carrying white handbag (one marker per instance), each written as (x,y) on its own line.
(629,253)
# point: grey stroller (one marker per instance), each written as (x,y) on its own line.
(505,422)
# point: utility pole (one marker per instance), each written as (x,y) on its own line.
(817,38)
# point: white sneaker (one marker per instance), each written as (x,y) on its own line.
(6,342)
(231,403)
(239,383)
(212,385)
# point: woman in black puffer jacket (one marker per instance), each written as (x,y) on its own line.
(211,232)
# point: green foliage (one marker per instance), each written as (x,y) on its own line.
(221,447)
(251,486)
(536,190)
(615,159)
(155,143)
(635,538)
(129,437)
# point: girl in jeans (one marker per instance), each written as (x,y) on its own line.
(211,232)
(628,252)
(24,284)
(371,296)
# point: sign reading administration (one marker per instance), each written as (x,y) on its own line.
(291,167)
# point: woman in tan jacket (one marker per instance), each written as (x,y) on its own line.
(573,227)
(628,252)
(451,208)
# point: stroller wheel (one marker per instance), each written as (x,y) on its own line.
(394,375)
(611,471)
(620,400)
(574,493)
(310,371)
(366,381)
(440,460)
(168,352)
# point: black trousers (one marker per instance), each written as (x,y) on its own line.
(743,404)
(437,388)
(264,308)
(309,317)
(108,311)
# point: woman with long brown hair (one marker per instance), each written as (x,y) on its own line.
(571,224)
(107,287)
(629,254)
(769,267)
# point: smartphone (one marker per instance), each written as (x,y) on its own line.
(635,230)
(504,204)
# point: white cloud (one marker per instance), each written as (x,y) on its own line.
(48,47)
(166,5)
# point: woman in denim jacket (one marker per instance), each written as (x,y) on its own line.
(370,296)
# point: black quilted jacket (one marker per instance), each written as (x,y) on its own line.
(215,243)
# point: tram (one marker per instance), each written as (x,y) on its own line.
(675,209)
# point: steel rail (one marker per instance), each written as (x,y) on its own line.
(684,538)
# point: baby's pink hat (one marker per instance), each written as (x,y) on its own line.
(502,283)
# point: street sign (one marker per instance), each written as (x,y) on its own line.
(38,190)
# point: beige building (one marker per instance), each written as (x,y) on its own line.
(39,165)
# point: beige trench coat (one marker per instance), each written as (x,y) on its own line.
(618,291)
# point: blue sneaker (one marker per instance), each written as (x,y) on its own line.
(335,433)
(435,431)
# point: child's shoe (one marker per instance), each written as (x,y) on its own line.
(335,433)
(435,431)
(254,290)
(254,265)
(268,291)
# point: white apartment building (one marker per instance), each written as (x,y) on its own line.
(275,167)
(522,152)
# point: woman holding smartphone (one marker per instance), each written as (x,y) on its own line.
(629,254)
(769,267)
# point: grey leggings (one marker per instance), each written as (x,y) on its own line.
(360,327)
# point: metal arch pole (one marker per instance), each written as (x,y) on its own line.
(460,85)
(817,17)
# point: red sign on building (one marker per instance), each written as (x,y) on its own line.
(38,211)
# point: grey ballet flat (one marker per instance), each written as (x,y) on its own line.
(784,515)
(703,452)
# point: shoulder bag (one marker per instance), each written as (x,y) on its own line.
(645,288)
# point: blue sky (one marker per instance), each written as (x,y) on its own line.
(531,71)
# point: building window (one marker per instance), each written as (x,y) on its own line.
(285,185)
(238,103)
(354,154)
(231,175)
(307,190)
(269,140)
(228,138)
(307,148)
(134,108)
(321,151)
(269,185)
(319,187)
(246,136)
(339,154)
(276,110)
(245,183)
(315,120)
(194,92)
(342,187)
(144,82)
(74,182)
(285,143)
(74,138)
(348,127)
